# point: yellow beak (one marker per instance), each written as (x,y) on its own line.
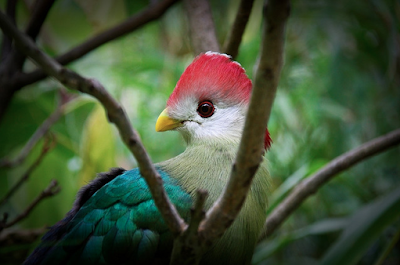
(165,123)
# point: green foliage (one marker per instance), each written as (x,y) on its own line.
(336,92)
(363,228)
(339,88)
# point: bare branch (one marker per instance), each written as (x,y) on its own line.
(197,213)
(51,190)
(48,145)
(155,10)
(188,248)
(11,66)
(226,208)
(269,65)
(40,10)
(310,185)
(201,26)
(16,243)
(6,43)
(16,80)
(116,114)
(234,39)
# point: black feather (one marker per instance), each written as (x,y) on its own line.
(87,191)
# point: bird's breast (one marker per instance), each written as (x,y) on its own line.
(209,168)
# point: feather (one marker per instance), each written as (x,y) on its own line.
(216,75)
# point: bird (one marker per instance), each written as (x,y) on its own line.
(114,219)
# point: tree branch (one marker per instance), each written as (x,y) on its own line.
(51,190)
(310,185)
(201,26)
(269,65)
(11,66)
(11,237)
(116,114)
(16,243)
(234,39)
(6,43)
(226,208)
(15,59)
(155,10)
(40,10)
(187,248)
(46,148)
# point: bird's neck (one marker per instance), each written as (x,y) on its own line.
(207,165)
(203,165)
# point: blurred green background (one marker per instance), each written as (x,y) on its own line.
(339,88)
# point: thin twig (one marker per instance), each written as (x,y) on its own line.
(51,190)
(151,13)
(47,146)
(187,248)
(11,237)
(197,213)
(235,35)
(39,133)
(201,26)
(311,185)
(226,208)
(3,221)
(116,114)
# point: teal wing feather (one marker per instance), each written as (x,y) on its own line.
(118,224)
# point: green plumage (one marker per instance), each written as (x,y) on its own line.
(119,224)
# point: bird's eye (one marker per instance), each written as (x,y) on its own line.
(205,109)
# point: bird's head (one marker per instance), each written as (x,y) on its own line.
(209,102)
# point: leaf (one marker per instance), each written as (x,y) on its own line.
(364,227)
(270,247)
(280,193)
(98,146)
(133,7)
(303,172)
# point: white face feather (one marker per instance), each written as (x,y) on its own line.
(225,125)
(215,78)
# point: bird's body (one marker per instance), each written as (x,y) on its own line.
(114,219)
(237,244)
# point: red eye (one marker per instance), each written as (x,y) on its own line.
(205,109)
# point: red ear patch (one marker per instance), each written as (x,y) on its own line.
(267,140)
